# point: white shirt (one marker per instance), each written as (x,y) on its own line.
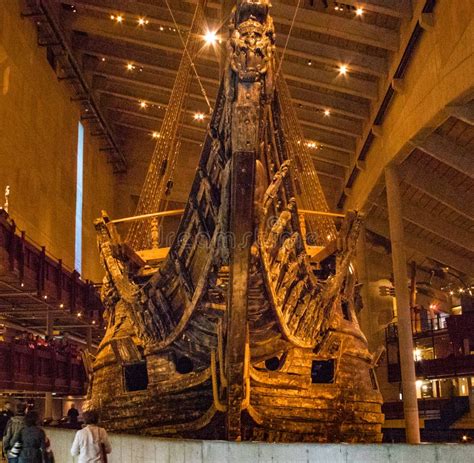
(87,444)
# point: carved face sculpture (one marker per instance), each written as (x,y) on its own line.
(251,40)
(251,50)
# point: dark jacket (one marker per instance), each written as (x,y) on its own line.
(5,416)
(33,447)
(15,425)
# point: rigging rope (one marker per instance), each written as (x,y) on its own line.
(288,39)
(203,90)
(166,150)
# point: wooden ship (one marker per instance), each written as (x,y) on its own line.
(245,328)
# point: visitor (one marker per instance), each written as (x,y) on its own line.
(14,426)
(5,416)
(33,440)
(72,415)
(91,443)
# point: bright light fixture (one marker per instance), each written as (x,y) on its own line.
(130,67)
(359,11)
(327,112)
(143,104)
(210,38)
(198,116)
(155,135)
(118,18)
(343,69)
(142,21)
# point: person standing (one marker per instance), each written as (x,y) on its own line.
(14,426)
(33,440)
(72,415)
(5,416)
(91,443)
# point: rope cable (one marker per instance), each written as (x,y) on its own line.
(287,38)
(203,90)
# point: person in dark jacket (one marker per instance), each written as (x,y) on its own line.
(14,425)
(73,415)
(5,416)
(33,440)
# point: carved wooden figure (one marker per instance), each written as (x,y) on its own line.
(238,334)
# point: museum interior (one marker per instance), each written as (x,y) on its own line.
(230,220)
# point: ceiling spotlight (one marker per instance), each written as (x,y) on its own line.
(119,18)
(198,116)
(142,21)
(130,67)
(61,306)
(327,112)
(143,104)
(210,38)
(343,69)
(93,322)
(79,314)
(155,135)
(103,59)
(162,28)
(310,62)
(359,11)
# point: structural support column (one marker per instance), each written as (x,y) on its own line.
(49,323)
(48,405)
(405,336)
(89,338)
(366,315)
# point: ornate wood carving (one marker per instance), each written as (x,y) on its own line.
(243,334)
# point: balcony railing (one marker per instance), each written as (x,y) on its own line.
(41,369)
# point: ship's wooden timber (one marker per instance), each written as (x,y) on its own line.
(239,333)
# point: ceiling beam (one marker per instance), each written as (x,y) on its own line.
(434,224)
(464,112)
(148,131)
(320,157)
(446,257)
(301,48)
(315,119)
(331,80)
(331,24)
(329,54)
(302,97)
(395,8)
(333,141)
(456,198)
(447,152)
(162,41)
(326,139)
(123,53)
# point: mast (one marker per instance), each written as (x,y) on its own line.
(249,88)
